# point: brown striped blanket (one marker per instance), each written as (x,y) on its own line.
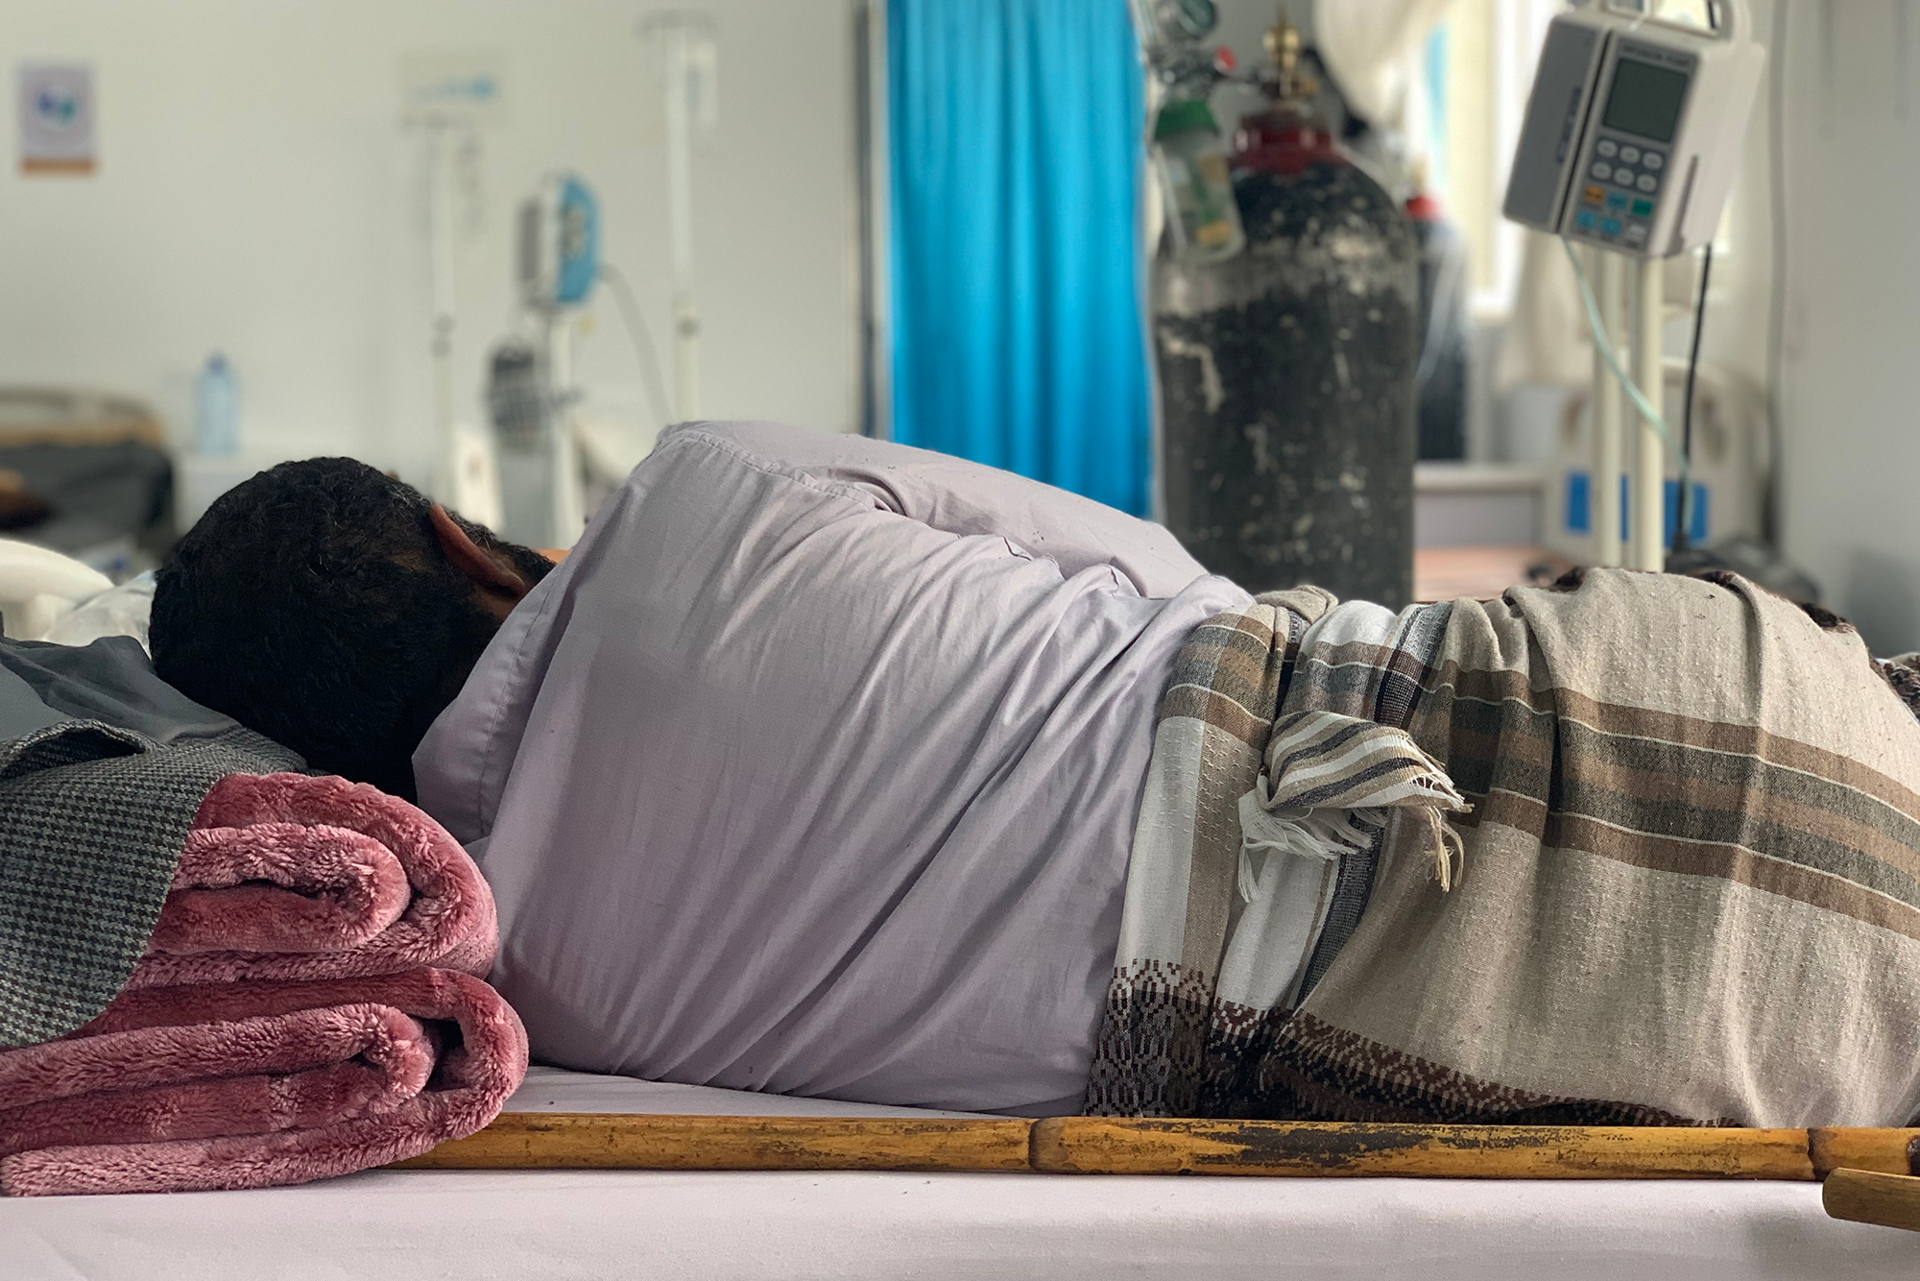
(1678,882)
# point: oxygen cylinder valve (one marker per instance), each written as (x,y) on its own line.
(1291,133)
(1282,79)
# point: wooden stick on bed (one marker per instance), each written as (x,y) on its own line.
(1109,1146)
(617,1141)
(1101,1145)
(1890,1200)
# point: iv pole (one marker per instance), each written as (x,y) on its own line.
(1646,544)
(1604,501)
(686,48)
(566,507)
(447,109)
(686,317)
(441,143)
(1648,550)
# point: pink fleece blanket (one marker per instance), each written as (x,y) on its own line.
(248,1085)
(310,1004)
(290,877)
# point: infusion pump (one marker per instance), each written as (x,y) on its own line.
(1634,127)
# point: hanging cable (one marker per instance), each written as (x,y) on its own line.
(1680,535)
(1777,274)
(642,340)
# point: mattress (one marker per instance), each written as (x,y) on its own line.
(597,1225)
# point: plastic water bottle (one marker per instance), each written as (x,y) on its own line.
(216,410)
(1192,159)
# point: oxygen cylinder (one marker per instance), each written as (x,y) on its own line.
(1287,373)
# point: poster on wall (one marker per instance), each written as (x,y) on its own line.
(56,106)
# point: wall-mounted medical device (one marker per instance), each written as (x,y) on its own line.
(559,243)
(1633,131)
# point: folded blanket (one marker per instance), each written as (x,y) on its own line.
(1638,849)
(285,876)
(307,1001)
(247,1085)
(92,820)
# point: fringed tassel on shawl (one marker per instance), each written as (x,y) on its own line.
(1329,783)
(1319,834)
(1447,847)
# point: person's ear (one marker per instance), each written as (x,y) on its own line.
(490,574)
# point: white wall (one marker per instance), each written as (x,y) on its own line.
(1848,367)
(1851,373)
(256,194)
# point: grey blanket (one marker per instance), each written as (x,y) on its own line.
(102,768)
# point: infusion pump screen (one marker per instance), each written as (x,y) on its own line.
(1645,100)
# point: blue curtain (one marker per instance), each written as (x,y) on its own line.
(1015,153)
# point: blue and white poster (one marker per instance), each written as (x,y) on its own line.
(56,106)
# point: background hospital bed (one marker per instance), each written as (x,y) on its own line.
(475,1224)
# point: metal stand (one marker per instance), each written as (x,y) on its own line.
(686,316)
(567,504)
(685,43)
(1649,551)
(1646,510)
(443,142)
(1609,273)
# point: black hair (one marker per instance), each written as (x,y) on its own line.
(313,604)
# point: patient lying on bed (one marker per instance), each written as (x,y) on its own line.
(816,766)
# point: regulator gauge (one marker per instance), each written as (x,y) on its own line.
(1191,18)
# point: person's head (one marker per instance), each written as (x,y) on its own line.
(336,611)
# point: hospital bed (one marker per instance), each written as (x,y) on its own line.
(475,1224)
(603,1223)
(101,467)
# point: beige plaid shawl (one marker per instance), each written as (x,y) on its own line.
(1688,888)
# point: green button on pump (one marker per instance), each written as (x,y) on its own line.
(1642,208)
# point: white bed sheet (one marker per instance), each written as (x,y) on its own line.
(554,1090)
(597,1225)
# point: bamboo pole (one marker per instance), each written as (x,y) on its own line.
(618,1141)
(1890,1200)
(1887,1151)
(1103,1145)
